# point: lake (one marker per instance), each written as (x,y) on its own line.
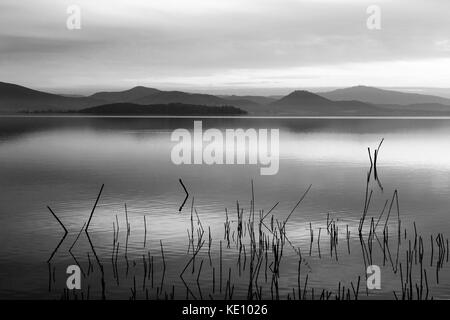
(62,162)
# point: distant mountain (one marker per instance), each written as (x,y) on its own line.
(419,107)
(256,99)
(171,109)
(301,96)
(355,101)
(303,102)
(15,98)
(130,95)
(70,95)
(380,96)
(147,96)
(164,97)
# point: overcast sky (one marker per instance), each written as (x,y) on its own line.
(224,44)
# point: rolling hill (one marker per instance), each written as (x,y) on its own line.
(171,109)
(147,96)
(354,101)
(15,98)
(164,97)
(303,102)
(130,95)
(380,96)
(261,100)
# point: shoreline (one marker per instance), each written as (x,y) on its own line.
(226,117)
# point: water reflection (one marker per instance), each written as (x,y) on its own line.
(61,162)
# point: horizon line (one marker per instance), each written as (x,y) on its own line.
(230,117)
(211,90)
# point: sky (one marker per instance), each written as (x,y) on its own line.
(224,45)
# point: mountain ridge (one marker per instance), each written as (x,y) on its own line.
(125,95)
(302,102)
(381,96)
(15,98)
(171,109)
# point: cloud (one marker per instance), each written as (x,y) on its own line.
(443,45)
(212,39)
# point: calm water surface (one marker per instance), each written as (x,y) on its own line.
(63,161)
